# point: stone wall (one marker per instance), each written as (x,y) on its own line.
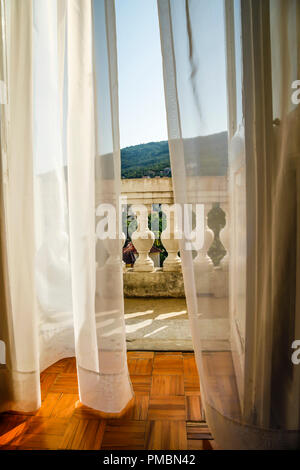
(157,283)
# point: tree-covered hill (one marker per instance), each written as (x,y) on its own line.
(146,160)
(205,155)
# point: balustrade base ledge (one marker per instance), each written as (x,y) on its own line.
(157,283)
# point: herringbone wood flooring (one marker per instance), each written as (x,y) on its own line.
(166,413)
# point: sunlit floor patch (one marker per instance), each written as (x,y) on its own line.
(137,326)
(155,331)
(166,326)
(138,314)
(164,316)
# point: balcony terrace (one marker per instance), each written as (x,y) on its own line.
(155,308)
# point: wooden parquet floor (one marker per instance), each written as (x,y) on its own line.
(166,413)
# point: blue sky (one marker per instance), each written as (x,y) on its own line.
(141,89)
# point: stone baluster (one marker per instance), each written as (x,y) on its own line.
(122,242)
(224,237)
(203,264)
(221,272)
(142,240)
(115,255)
(169,238)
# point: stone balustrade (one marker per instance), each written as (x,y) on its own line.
(210,261)
(144,279)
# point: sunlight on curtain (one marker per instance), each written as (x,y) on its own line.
(65,286)
(241,282)
(53,272)
(193,45)
(21,377)
(94,179)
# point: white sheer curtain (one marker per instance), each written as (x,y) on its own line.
(21,376)
(220,59)
(60,161)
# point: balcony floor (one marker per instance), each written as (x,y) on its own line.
(157,325)
(166,413)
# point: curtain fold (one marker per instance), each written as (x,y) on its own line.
(81,177)
(52,260)
(227,65)
(193,44)
(59,126)
(18,195)
(285,375)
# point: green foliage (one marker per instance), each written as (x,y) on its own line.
(152,159)
(203,156)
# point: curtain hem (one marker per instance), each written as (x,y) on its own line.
(104,392)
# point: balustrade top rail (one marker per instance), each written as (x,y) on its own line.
(149,191)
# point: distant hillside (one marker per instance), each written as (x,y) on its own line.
(145,160)
(205,155)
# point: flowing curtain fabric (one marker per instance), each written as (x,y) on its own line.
(60,164)
(285,247)
(21,376)
(234,145)
(193,49)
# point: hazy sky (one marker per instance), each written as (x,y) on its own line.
(141,89)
